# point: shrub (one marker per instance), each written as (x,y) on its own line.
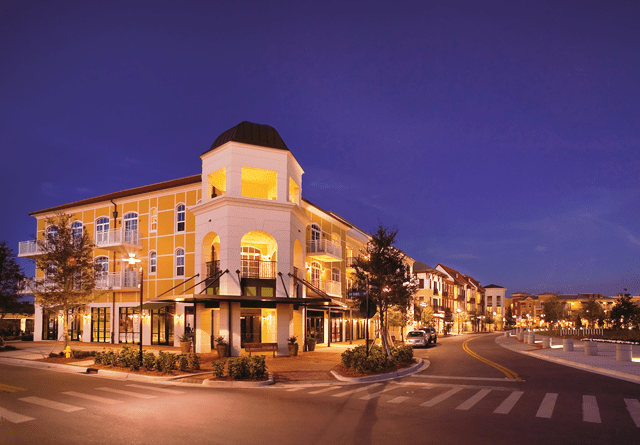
(129,358)
(377,361)
(218,368)
(82,354)
(247,368)
(194,361)
(97,358)
(166,362)
(183,363)
(403,354)
(109,358)
(148,361)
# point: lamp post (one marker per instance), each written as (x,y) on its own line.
(458,318)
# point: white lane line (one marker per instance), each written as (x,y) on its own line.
(12,417)
(399,399)
(439,398)
(468,404)
(548,404)
(92,397)
(153,388)
(127,393)
(346,393)
(633,406)
(508,403)
(590,411)
(298,388)
(51,404)
(373,395)
(319,391)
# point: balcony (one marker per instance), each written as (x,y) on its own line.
(124,281)
(29,249)
(119,240)
(324,250)
(333,288)
(265,270)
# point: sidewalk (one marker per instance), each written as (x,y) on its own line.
(604,363)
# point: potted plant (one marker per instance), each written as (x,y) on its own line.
(221,346)
(185,343)
(311,343)
(293,345)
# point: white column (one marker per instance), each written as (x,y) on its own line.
(37,323)
(284,327)
(203,329)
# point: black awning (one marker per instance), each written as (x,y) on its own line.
(157,305)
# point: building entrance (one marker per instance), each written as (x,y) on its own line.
(315,325)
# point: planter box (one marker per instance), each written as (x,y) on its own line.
(590,348)
(567,344)
(546,342)
(624,353)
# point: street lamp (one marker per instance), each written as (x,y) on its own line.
(458,318)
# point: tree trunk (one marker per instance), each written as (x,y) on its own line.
(65,326)
(384,333)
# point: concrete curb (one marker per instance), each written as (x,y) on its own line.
(238,383)
(420,366)
(603,371)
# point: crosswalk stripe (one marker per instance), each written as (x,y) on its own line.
(153,388)
(51,404)
(468,404)
(92,397)
(12,417)
(296,388)
(320,391)
(373,395)
(346,393)
(127,393)
(590,411)
(9,388)
(508,403)
(548,404)
(439,398)
(399,399)
(633,406)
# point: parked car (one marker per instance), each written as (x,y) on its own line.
(431,334)
(416,339)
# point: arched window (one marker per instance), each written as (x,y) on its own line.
(250,258)
(181,215)
(335,274)
(102,230)
(131,222)
(51,232)
(315,274)
(153,220)
(315,232)
(102,276)
(76,229)
(103,262)
(180,263)
(153,262)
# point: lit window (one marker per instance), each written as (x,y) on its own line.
(153,262)
(153,220)
(259,183)
(131,222)
(180,262)
(315,274)
(181,215)
(335,274)
(51,232)
(294,192)
(76,229)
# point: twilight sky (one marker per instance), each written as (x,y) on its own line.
(501,139)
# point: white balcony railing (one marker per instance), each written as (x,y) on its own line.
(126,280)
(325,246)
(28,248)
(118,237)
(333,288)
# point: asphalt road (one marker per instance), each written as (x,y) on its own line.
(458,399)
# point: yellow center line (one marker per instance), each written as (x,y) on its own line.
(9,388)
(509,373)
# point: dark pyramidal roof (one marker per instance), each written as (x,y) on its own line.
(253,134)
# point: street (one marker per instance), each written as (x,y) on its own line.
(457,399)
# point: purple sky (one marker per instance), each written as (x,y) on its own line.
(502,140)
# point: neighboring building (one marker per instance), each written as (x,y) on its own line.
(233,251)
(467,298)
(433,291)
(495,303)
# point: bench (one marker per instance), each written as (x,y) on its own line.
(261,347)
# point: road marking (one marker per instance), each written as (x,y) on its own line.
(441,397)
(153,388)
(470,402)
(51,404)
(92,397)
(450,377)
(399,399)
(509,373)
(590,411)
(127,393)
(508,403)
(9,388)
(548,404)
(319,391)
(373,395)
(346,393)
(12,417)
(298,388)
(633,406)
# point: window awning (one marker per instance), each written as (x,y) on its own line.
(156,305)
